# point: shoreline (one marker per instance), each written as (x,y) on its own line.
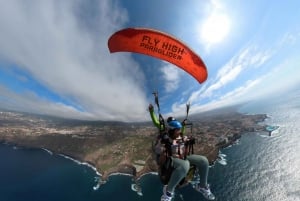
(102,180)
(114,149)
(103,177)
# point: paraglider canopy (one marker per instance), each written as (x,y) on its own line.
(160,45)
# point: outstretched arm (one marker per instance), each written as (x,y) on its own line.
(153,116)
(183,127)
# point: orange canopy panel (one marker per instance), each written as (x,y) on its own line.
(160,45)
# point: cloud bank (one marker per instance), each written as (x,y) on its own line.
(61,46)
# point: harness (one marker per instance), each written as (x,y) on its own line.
(164,139)
(165,166)
(183,147)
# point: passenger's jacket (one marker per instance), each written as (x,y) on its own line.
(176,146)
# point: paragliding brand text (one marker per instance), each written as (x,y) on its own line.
(163,48)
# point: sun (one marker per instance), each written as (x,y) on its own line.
(215,28)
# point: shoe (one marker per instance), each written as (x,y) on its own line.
(167,196)
(205,192)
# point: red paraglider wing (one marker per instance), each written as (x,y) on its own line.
(160,45)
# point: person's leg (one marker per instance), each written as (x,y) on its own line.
(202,164)
(181,168)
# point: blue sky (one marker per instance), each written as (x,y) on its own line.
(54,58)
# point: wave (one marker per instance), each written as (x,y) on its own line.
(136,188)
(81,163)
(48,151)
(222,158)
(97,179)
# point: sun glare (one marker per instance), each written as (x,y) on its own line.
(215,28)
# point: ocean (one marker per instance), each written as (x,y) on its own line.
(257,168)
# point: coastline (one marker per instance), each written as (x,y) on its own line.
(128,156)
(104,177)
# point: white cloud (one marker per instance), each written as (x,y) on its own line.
(29,102)
(248,58)
(48,40)
(278,82)
(171,75)
(277,79)
(224,78)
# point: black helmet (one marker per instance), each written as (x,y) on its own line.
(171,119)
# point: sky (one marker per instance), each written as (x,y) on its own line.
(54,58)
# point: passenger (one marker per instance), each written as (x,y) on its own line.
(180,160)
